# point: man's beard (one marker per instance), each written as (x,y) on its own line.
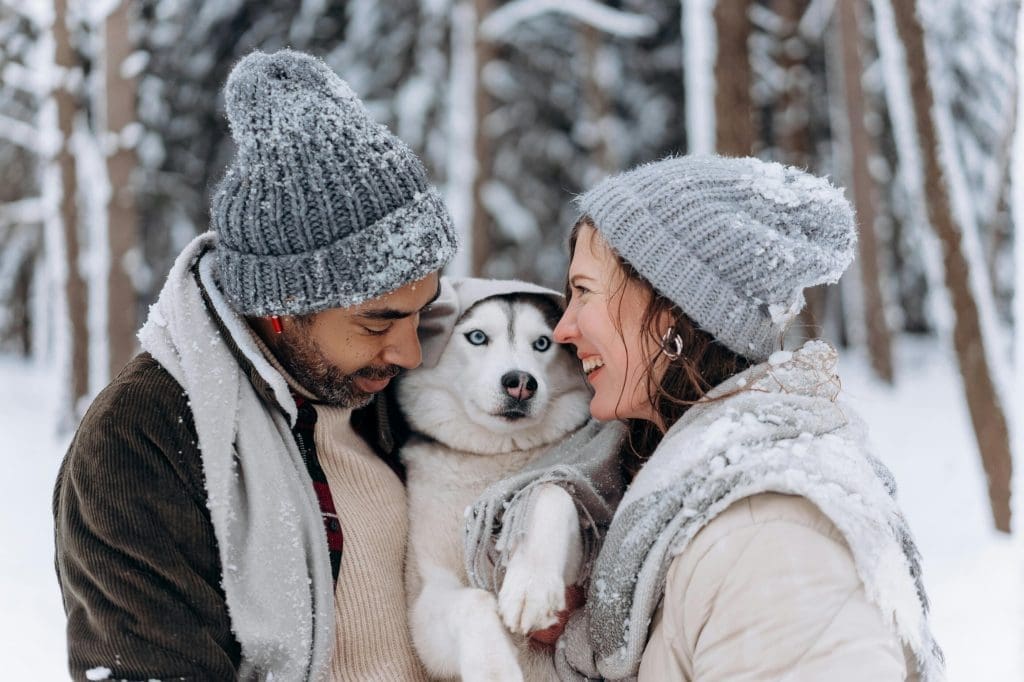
(302,357)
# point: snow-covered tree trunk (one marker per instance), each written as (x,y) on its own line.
(700,47)
(461,168)
(794,141)
(20,155)
(984,400)
(122,226)
(734,120)
(1017,206)
(66,98)
(861,149)
(595,99)
(480,230)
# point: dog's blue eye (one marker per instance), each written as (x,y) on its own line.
(476,337)
(542,344)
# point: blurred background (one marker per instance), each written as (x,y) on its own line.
(112,136)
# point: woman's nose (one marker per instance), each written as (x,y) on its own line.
(565,331)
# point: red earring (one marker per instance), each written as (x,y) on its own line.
(275,322)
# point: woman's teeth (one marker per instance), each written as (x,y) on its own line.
(591,363)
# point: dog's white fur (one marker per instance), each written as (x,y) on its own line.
(462,443)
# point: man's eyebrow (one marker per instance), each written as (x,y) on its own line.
(383,314)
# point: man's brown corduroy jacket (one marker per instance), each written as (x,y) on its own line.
(136,555)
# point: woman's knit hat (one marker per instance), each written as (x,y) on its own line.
(321,206)
(732,242)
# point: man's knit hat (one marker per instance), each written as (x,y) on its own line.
(321,206)
(732,242)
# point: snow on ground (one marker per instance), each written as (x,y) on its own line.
(973,574)
(920,428)
(31,613)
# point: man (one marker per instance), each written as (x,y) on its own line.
(217,514)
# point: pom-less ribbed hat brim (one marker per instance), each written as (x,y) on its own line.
(404,246)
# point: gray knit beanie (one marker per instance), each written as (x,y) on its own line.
(321,207)
(732,242)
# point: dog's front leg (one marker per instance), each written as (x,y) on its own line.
(546,561)
(457,632)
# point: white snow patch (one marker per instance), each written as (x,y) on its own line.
(134,64)
(596,14)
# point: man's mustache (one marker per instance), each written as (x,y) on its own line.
(378,373)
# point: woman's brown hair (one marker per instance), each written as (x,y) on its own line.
(702,362)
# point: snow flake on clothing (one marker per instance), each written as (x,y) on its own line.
(775,428)
(276,571)
(790,187)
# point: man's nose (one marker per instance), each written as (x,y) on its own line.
(405,351)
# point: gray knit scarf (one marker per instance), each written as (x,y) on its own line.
(276,573)
(775,428)
(586,465)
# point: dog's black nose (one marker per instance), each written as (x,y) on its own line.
(519,385)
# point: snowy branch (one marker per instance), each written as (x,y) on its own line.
(31,210)
(816,19)
(97,11)
(18,248)
(595,14)
(20,133)
(39,13)
(27,80)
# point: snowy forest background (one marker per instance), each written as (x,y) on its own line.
(112,135)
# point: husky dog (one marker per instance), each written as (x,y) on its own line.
(500,393)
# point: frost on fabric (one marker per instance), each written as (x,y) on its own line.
(791,188)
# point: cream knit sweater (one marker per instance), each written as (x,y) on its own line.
(373,642)
(371,622)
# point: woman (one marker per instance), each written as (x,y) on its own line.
(758,538)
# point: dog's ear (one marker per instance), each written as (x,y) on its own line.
(437,323)
(551,308)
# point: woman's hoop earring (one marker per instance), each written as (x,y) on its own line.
(672,344)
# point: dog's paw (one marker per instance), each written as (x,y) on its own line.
(532,594)
(487,654)
(547,559)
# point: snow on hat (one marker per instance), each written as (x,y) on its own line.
(321,206)
(732,241)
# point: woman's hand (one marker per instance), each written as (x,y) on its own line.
(545,639)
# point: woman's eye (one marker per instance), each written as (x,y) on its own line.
(542,344)
(476,337)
